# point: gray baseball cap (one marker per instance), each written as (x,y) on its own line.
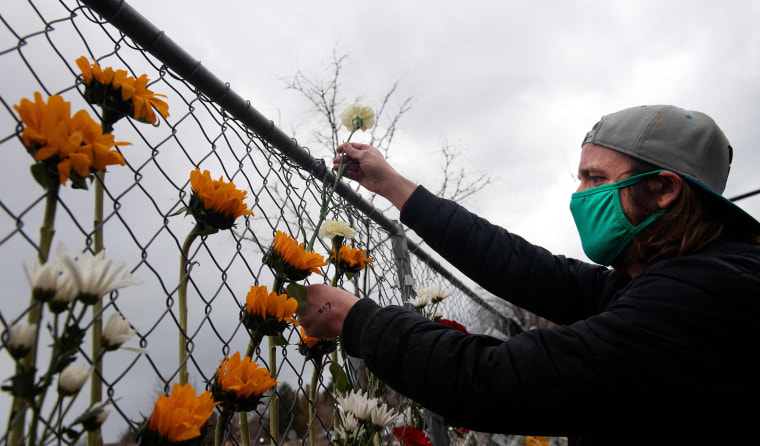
(686,142)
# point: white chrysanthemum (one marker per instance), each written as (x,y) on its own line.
(97,276)
(420,301)
(358,404)
(66,292)
(43,279)
(358,117)
(349,422)
(435,293)
(21,339)
(331,228)
(72,379)
(383,416)
(116,332)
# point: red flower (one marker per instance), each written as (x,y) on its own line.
(453,324)
(410,436)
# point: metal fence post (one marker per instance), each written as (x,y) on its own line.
(434,422)
(403,264)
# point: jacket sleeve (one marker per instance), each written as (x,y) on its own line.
(670,343)
(557,288)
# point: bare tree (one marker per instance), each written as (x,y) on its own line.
(458,184)
(327,100)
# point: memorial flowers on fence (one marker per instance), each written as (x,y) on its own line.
(82,280)
(180,417)
(411,436)
(118,95)
(75,150)
(67,149)
(239,385)
(215,205)
(361,418)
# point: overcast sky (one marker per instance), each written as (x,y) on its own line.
(514,84)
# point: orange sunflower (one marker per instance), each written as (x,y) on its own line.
(268,313)
(180,416)
(240,383)
(120,94)
(65,143)
(315,348)
(351,260)
(307,340)
(289,261)
(215,203)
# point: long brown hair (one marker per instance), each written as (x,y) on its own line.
(692,222)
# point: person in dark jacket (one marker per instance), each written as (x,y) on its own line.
(655,341)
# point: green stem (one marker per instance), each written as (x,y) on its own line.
(336,418)
(47,230)
(325,203)
(313,400)
(274,402)
(253,343)
(94,438)
(184,278)
(245,437)
(221,424)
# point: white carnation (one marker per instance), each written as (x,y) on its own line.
(364,116)
(331,228)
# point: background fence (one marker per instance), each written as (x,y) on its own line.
(210,127)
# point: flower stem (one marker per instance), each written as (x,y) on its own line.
(326,198)
(313,400)
(94,438)
(184,277)
(274,402)
(221,425)
(336,418)
(47,230)
(245,437)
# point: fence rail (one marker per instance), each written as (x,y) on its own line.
(209,127)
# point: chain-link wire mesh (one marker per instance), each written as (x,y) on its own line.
(208,128)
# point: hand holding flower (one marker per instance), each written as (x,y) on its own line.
(373,172)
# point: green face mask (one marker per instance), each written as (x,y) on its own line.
(603,227)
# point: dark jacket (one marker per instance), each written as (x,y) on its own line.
(669,357)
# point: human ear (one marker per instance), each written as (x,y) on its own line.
(668,188)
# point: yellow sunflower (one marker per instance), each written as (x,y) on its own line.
(289,260)
(308,340)
(121,94)
(65,143)
(268,313)
(144,100)
(181,415)
(351,260)
(215,203)
(315,348)
(241,383)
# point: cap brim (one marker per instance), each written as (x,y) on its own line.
(733,212)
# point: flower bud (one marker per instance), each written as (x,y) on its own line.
(116,332)
(72,378)
(94,417)
(21,339)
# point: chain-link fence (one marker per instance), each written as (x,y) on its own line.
(210,127)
